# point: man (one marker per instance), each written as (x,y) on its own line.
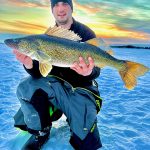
(37,120)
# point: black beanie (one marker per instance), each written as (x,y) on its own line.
(53,2)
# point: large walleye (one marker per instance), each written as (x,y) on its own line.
(61,47)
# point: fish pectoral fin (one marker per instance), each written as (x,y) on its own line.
(130,72)
(62,33)
(45,68)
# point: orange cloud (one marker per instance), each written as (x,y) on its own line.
(111,31)
(21,27)
(86,8)
(22,3)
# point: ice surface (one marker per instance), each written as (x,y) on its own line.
(124,121)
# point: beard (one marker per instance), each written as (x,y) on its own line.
(63,21)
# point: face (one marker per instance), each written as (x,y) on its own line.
(62,13)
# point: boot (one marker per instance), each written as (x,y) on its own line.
(36,141)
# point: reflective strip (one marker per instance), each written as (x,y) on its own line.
(51,111)
(93,127)
(98,103)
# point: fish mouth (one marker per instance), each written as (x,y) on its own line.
(11,43)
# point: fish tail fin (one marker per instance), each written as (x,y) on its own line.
(130,72)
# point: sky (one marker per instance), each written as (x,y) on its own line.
(117,21)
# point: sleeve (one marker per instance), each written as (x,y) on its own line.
(95,73)
(34,72)
(89,35)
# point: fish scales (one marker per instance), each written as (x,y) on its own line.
(68,50)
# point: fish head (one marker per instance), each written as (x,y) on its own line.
(25,45)
(13,43)
(33,46)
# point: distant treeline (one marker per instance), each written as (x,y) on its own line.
(131,46)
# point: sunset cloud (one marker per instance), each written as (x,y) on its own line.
(22,27)
(108,31)
(88,9)
(109,19)
(27,3)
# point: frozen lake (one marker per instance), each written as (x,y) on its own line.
(124,120)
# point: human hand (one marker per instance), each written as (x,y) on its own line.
(27,61)
(82,68)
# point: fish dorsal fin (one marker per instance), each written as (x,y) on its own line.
(110,52)
(44,68)
(93,41)
(99,42)
(62,33)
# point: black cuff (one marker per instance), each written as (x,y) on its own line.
(95,73)
(34,72)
